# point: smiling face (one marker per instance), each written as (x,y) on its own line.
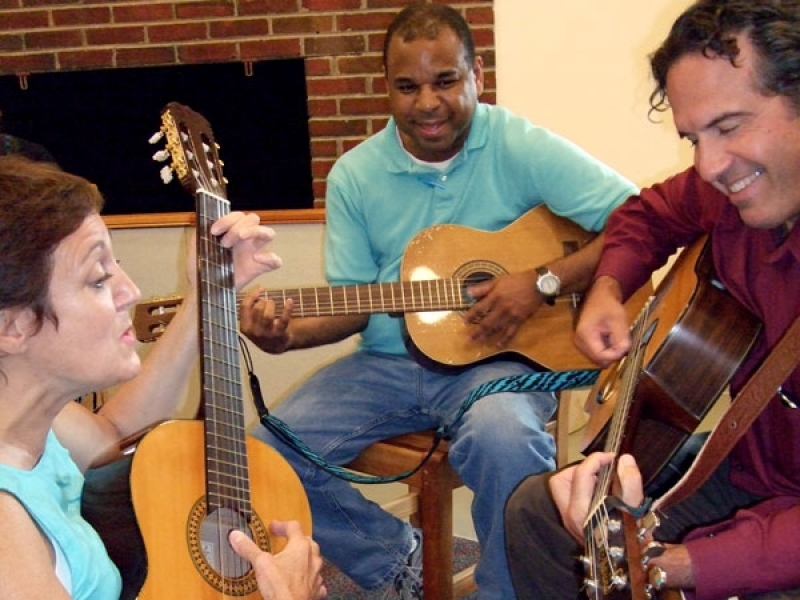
(433,92)
(92,347)
(746,144)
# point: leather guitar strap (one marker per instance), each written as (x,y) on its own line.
(752,398)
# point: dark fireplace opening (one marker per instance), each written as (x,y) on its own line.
(97,124)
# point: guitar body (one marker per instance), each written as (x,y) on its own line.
(700,336)
(463,253)
(169,489)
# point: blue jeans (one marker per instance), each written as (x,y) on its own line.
(366,397)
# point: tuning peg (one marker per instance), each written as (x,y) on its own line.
(656,581)
(161,155)
(651,551)
(156,137)
(647,524)
(166,174)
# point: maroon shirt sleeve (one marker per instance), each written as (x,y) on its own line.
(759,546)
(647,229)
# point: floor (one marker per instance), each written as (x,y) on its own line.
(462,521)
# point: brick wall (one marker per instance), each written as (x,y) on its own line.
(342,41)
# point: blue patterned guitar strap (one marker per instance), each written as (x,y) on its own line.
(537,381)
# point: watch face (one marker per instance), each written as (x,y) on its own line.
(548,285)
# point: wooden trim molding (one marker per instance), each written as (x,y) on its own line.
(181,219)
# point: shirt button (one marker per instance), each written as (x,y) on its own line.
(444,177)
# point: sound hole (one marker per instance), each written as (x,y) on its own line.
(214,533)
(215,560)
(475,272)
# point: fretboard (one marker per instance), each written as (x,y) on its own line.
(618,427)
(396,297)
(227,480)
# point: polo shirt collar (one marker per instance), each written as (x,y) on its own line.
(398,161)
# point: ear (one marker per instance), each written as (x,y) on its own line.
(16,328)
(477,68)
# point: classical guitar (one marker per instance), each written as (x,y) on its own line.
(687,343)
(191,480)
(438,265)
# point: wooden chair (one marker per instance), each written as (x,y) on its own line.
(429,501)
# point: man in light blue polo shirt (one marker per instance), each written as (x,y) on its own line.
(444,158)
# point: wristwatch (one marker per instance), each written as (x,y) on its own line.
(548,285)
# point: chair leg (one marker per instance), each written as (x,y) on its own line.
(436,522)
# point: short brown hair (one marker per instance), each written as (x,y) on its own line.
(40,205)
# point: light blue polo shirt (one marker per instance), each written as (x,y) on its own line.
(378,198)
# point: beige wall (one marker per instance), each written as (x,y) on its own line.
(579,67)
(576,66)
(154,259)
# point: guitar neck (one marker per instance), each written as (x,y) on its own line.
(395,297)
(227,478)
(612,554)
(619,433)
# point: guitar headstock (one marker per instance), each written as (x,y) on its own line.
(151,317)
(194,152)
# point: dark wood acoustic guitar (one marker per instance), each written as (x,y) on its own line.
(686,345)
(193,482)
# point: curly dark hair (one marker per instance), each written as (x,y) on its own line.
(425,21)
(711,27)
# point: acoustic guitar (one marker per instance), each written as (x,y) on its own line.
(687,343)
(438,265)
(191,480)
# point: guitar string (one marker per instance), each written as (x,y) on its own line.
(235,392)
(210,375)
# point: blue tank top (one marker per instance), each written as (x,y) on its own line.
(51,493)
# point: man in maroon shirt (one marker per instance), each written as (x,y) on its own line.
(731,72)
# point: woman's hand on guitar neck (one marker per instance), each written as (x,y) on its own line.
(246,238)
(243,234)
(573,488)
